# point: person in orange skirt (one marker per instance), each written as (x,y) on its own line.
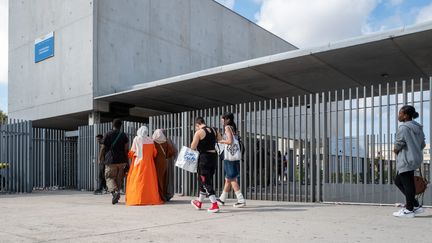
(142,183)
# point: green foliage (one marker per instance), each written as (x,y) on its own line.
(3,117)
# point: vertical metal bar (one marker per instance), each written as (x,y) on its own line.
(404,93)
(343,138)
(276,149)
(358,135)
(412,92)
(381,169)
(266,162)
(337,137)
(388,150)
(372,167)
(311,179)
(324,147)
(271,152)
(283,148)
(294,162)
(365,162)
(288,146)
(249,148)
(258,148)
(331,163)
(430,128)
(317,142)
(351,168)
(300,152)
(421,101)
(396,113)
(307,156)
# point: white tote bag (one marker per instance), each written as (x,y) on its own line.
(187,159)
(232,151)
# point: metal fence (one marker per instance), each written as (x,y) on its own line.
(15,157)
(35,158)
(329,146)
(88,151)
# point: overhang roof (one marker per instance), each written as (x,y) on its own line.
(394,55)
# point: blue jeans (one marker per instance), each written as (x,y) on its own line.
(232,169)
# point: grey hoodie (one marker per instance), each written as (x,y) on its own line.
(410,141)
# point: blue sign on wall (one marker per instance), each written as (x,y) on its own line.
(44,47)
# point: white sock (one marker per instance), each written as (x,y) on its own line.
(201,197)
(223,196)
(240,197)
(213,198)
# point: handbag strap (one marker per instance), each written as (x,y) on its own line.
(115,141)
(163,150)
(232,131)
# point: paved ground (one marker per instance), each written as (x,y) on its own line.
(66,216)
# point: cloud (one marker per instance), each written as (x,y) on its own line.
(315,22)
(425,14)
(395,2)
(227,3)
(3,41)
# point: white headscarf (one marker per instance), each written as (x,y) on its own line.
(159,137)
(138,142)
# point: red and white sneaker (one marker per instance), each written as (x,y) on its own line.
(197,204)
(214,208)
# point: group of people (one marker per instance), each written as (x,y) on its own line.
(147,174)
(204,141)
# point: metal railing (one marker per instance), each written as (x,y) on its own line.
(329,146)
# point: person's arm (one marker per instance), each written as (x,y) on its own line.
(229,134)
(102,154)
(400,142)
(195,140)
(423,145)
(126,148)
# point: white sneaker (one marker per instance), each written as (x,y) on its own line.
(239,205)
(398,212)
(418,210)
(404,213)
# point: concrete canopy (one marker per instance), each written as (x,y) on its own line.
(394,55)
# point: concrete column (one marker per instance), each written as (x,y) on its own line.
(94,118)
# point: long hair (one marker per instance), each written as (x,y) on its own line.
(228,116)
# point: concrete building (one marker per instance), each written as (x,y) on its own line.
(102,47)
(137,58)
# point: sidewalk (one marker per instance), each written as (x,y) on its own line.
(70,216)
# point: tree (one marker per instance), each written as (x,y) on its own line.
(3,117)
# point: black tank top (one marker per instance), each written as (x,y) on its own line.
(209,141)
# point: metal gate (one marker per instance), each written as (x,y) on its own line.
(329,146)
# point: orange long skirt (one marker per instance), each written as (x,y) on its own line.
(142,183)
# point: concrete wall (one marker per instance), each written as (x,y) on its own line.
(146,40)
(61,84)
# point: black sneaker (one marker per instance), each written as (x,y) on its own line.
(220,202)
(98,192)
(115,197)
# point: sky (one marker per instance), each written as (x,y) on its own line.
(303,23)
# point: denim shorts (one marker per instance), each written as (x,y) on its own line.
(232,169)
